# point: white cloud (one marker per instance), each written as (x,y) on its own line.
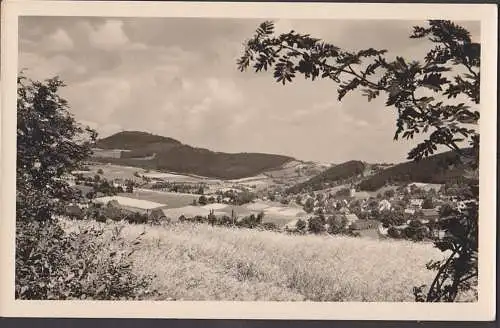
(39,67)
(59,41)
(108,36)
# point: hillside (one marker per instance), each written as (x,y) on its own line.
(161,153)
(438,168)
(133,140)
(331,177)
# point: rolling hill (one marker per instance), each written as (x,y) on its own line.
(162,153)
(331,177)
(439,168)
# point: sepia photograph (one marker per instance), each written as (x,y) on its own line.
(269,158)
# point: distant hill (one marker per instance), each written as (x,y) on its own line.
(133,140)
(162,153)
(331,177)
(438,168)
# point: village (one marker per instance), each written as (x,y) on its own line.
(117,193)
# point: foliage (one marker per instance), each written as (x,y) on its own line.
(244,197)
(402,81)
(301,225)
(51,264)
(49,144)
(202,200)
(316,224)
(336,224)
(309,205)
(424,95)
(392,218)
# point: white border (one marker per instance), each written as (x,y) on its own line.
(483,310)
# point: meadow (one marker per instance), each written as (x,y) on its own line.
(201,262)
(171,199)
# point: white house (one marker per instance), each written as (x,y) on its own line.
(384,205)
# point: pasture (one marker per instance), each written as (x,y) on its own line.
(201,262)
(171,199)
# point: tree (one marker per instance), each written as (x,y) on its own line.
(423,95)
(50,144)
(389,193)
(337,224)
(301,225)
(129,188)
(309,205)
(316,224)
(202,200)
(100,171)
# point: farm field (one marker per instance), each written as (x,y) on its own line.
(201,262)
(171,199)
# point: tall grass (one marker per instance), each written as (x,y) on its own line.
(201,262)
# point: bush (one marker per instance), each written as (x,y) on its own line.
(269,226)
(301,225)
(202,200)
(394,233)
(224,220)
(250,221)
(336,224)
(316,225)
(51,264)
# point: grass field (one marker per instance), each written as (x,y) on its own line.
(200,262)
(171,199)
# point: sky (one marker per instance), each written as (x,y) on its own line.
(177,77)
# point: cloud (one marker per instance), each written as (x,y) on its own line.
(39,67)
(108,36)
(177,77)
(60,41)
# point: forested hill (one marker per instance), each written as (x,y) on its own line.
(162,153)
(439,168)
(335,175)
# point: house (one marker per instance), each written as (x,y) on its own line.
(384,205)
(416,203)
(69,179)
(409,211)
(430,214)
(351,218)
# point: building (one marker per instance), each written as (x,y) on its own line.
(416,203)
(130,204)
(430,214)
(384,205)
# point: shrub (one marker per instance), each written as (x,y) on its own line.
(51,264)
(394,233)
(224,220)
(270,226)
(336,224)
(301,225)
(202,200)
(316,225)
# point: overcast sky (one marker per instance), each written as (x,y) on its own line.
(178,78)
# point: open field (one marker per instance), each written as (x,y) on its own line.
(171,199)
(200,262)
